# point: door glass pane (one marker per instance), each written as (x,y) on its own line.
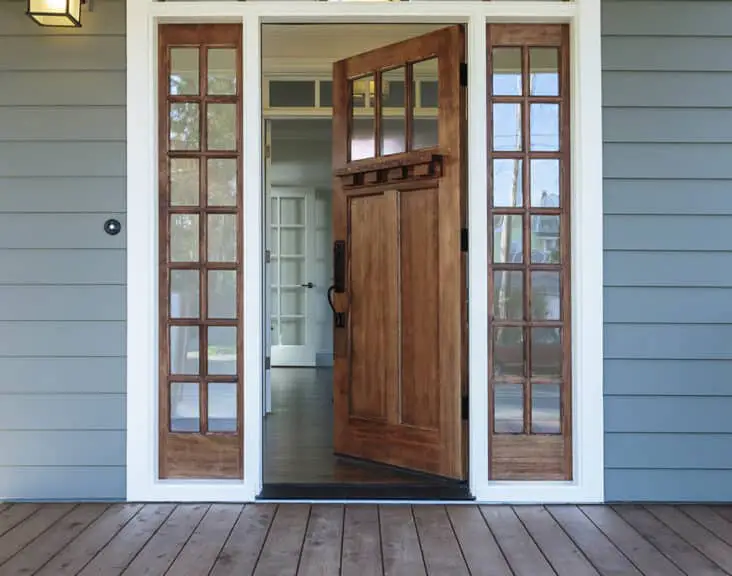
(275,333)
(222,182)
(545,409)
(508,183)
(508,351)
(222,293)
(185,128)
(292,241)
(508,408)
(222,71)
(185,409)
(292,272)
(222,237)
(293,302)
(544,63)
(184,182)
(274,302)
(508,295)
(545,182)
(184,71)
(184,238)
(507,72)
(221,119)
(292,332)
(546,353)
(184,350)
(184,293)
(275,211)
(544,127)
(222,406)
(507,127)
(545,296)
(508,238)
(222,352)
(424,127)
(393,119)
(545,248)
(363,143)
(292,211)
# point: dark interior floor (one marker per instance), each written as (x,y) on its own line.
(298,436)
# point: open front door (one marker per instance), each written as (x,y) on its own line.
(399,292)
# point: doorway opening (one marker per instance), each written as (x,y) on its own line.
(365,340)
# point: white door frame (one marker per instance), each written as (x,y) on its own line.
(583,16)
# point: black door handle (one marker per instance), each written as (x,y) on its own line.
(308,285)
(338,317)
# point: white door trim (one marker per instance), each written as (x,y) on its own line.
(142,350)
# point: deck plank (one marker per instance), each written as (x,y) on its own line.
(241,551)
(80,551)
(695,534)
(707,517)
(521,552)
(119,552)
(282,548)
(400,542)
(724,511)
(603,554)
(200,552)
(15,514)
(440,548)
(361,542)
(321,551)
(48,544)
(22,534)
(479,547)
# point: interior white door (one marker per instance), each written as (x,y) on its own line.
(267,404)
(292,237)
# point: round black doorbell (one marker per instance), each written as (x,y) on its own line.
(112,227)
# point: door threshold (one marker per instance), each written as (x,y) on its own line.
(347,491)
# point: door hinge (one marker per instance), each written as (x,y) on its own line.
(463,239)
(465,408)
(268,151)
(267,256)
(463,74)
(267,362)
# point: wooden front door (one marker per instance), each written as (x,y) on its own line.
(399,271)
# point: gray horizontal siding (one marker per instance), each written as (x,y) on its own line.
(668,250)
(62,279)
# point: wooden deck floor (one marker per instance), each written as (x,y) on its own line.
(363,540)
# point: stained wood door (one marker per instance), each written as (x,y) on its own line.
(399,293)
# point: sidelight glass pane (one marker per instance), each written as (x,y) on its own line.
(292,331)
(222,407)
(545,296)
(222,190)
(544,127)
(508,295)
(545,248)
(184,293)
(222,294)
(185,408)
(546,353)
(222,69)
(508,238)
(507,72)
(393,102)
(222,351)
(184,238)
(508,351)
(184,350)
(221,126)
(508,183)
(507,135)
(221,237)
(292,211)
(545,183)
(185,126)
(545,409)
(544,66)
(184,182)
(508,408)
(184,71)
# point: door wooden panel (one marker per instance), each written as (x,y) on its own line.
(399,372)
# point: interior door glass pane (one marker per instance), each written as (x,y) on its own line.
(508,238)
(184,238)
(222,237)
(222,294)
(184,181)
(222,407)
(184,293)
(292,211)
(292,271)
(185,126)
(275,210)
(508,351)
(222,71)
(393,119)
(293,302)
(184,350)
(222,182)
(185,409)
(545,248)
(292,331)
(508,183)
(507,127)
(275,302)
(545,409)
(222,352)
(275,329)
(508,295)
(544,63)
(184,71)
(221,126)
(545,296)
(508,408)
(546,353)
(545,182)
(292,241)
(544,123)
(507,72)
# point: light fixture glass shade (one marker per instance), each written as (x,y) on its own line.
(55,12)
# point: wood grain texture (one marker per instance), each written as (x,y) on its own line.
(281,551)
(401,550)
(361,554)
(241,551)
(15,540)
(321,550)
(440,548)
(482,554)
